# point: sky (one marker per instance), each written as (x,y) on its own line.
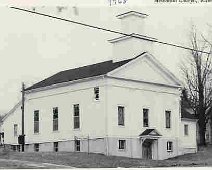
(35,47)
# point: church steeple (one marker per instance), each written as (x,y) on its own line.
(125,47)
(132,22)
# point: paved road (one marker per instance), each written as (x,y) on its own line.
(9,164)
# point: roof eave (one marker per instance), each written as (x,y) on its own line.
(139,81)
(63,84)
(133,35)
(150,136)
(189,119)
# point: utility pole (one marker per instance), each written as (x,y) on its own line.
(88,145)
(22,108)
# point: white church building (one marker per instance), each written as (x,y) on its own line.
(128,106)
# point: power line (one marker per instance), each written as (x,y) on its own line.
(108,30)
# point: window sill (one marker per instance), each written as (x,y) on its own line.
(55,131)
(121,126)
(169,151)
(76,129)
(38,133)
(122,150)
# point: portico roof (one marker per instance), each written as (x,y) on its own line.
(150,133)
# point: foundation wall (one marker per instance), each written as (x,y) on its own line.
(110,146)
(93,146)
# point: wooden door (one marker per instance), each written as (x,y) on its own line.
(147,150)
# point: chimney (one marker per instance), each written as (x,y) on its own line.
(126,47)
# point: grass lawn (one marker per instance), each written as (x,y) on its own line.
(84,160)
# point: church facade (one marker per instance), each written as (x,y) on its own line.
(128,106)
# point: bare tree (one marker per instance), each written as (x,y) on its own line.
(198,75)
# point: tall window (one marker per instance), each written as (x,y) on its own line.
(36,121)
(15,129)
(36,147)
(145,117)
(120,115)
(186,130)
(122,144)
(56,146)
(96,93)
(169,146)
(55,118)
(76,117)
(168,119)
(77,145)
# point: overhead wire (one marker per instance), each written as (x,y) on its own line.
(138,36)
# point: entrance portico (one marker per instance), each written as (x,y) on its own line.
(149,142)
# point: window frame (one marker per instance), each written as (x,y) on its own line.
(36,122)
(18,148)
(145,108)
(36,147)
(15,129)
(77,145)
(186,133)
(122,146)
(76,118)
(168,119)
(169,146)
(96,93)
(120,123)
(55,121)
(55,146)
(13,147)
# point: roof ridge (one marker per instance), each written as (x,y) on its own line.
(77,73)
(130,59)
(140,13)
(86,65)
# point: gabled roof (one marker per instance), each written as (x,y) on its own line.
(150,132)
(165,70)
(95,70)
(12,110)
(133,35)
(186,110)
(139,14)
(186,115)
(80,73)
